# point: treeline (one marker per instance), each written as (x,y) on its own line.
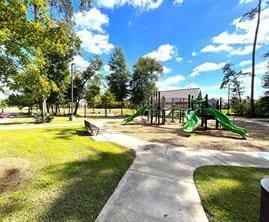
(240,104)
(36,50)
(118,88)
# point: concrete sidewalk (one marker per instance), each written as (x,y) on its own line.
(159,184)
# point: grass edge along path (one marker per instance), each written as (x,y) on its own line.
(230,193)
(69,176)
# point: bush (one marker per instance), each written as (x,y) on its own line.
(39,118)
(262,107)
(240,108)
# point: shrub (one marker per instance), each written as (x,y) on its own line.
(39,118)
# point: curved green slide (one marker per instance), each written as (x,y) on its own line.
(139,112)
(193,121)
(225,121)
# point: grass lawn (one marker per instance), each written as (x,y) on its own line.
(230,193)
(57,174)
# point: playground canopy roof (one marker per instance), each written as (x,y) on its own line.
(182,93)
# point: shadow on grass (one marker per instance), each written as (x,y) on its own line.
(67,133)
(230,193)
(85,185)
(90,184)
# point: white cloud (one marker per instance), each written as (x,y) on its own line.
(217,48)
(240,40)
(245,50)
(178,2)
(194,54)
(245,1)
(244,63)
(166,70)
(80,62)
(91,20)
(143,4)
(164,53)
(170,82)
(244,31)
(206,67)
(89,28)
(94,43)
(106,69)
(260,68)
(179,59)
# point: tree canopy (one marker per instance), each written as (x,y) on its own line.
(144,78)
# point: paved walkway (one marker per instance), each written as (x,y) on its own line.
(159,184)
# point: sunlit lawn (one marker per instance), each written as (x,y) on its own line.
(57,174)
(230,194)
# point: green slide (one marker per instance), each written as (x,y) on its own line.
(193,121)
(139,112)
(225,121)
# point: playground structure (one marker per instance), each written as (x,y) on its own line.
(185,103)
(167,105)
(204,112)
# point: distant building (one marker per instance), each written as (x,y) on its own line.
(179,97)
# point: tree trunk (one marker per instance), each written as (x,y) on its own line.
(121,111)
(76,109)
(252,105)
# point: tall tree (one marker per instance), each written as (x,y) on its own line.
(144,78)
(251,15)
(231,79)
(82,79)
(119,76)
(107,100)
(93,92)
(266,78)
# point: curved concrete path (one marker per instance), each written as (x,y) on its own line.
(159,184)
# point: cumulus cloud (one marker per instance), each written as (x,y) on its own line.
(240,40)
(80,62)
(170,82)
(206,67)
(94,43)
(217,48)
(91,20)
(260,68)
(166,70)
(245,63)
(143,4)
(164,53)
(90,30)
(194,54)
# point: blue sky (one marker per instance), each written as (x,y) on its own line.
(192,40)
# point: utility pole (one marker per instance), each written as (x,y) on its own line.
(72,92)
(229,88)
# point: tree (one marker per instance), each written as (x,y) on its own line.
(266,79)
(231,79)
(93,92)
(251,15)
(143,81)
(82,79)
(119,76)
(107,100)
(28,39)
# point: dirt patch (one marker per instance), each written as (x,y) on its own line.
(14,172)
(172,133)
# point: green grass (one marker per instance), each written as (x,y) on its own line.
(230,194)
(71,175)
